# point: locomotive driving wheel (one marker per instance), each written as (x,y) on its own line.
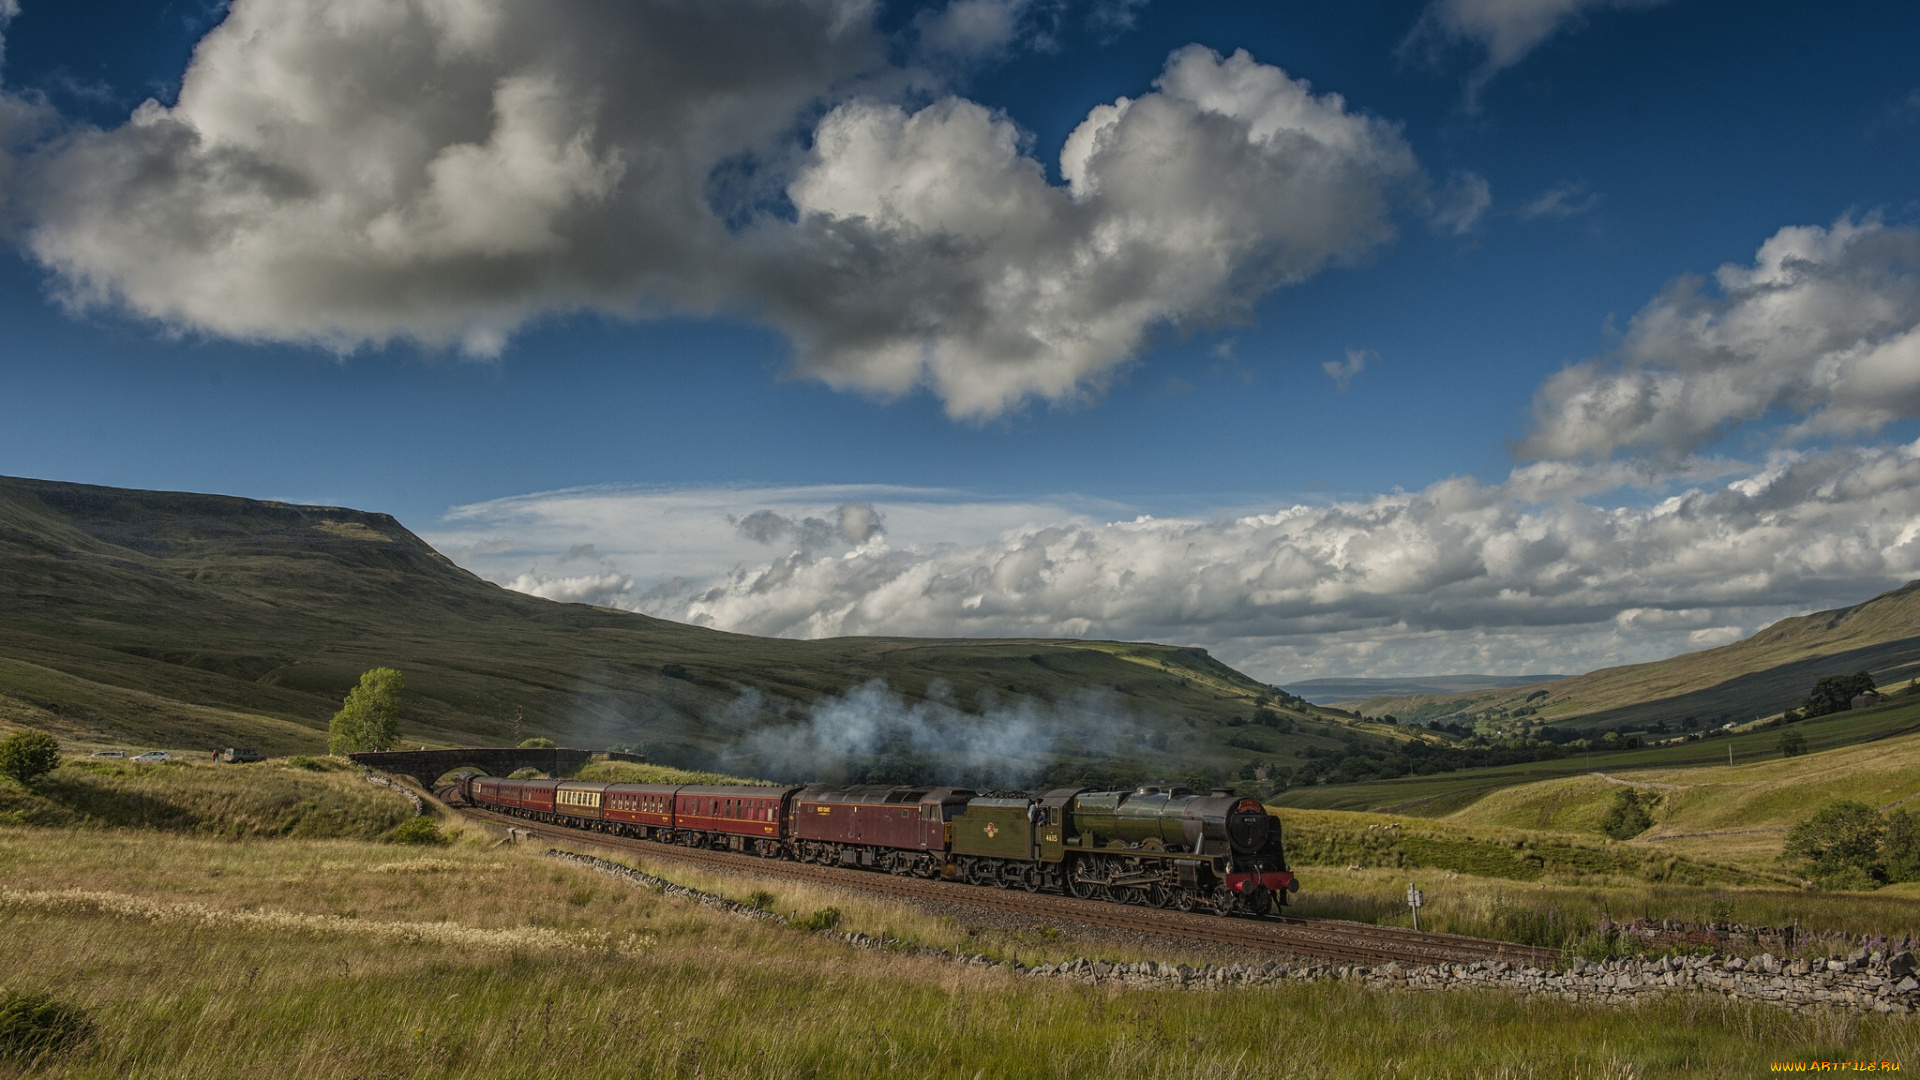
(1078,889)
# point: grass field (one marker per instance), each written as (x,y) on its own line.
(261,928)
(1443,794)
(304,797)
(324,959)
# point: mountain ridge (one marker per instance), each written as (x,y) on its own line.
(255,617)
(1759,675)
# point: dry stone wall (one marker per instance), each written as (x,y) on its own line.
(1866,980)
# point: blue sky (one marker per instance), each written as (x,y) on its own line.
(578,305)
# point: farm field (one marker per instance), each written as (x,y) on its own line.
(1443,794)
(338,955)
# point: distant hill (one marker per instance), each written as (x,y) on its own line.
(188,620)
(1760,676)
(1348,691)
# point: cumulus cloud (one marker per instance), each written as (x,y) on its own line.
(1518,576)
(930,250)
(1823,327)
(1504,30)
(345,174)
(607,589)
(852,523)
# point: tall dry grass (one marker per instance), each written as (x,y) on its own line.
(337,959)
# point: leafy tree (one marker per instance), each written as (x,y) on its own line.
(1901,846)
(1841,844)
(29,755)
(1792,743)
(369,719)
(1835,693)
(1629,816)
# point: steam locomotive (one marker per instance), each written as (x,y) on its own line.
(1161,848)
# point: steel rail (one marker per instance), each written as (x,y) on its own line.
(1325,939)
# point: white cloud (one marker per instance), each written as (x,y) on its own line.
(1343,371)
(1824,326)
(1506,30)
(350,172)
(1460,205)
(1560,201)
(932,251)
(972,29)
(1517,577)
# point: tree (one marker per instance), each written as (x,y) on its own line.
(538,742)
(29,755)
(1835,693)
(369,719)
(1792,743)
(1901,846)
(1629,816)
(1840,844)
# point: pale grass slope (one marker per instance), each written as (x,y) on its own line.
(1743,811)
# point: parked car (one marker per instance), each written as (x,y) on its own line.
(235,755)
(108,753)
(154,755)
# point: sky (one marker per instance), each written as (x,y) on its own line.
(1504,336)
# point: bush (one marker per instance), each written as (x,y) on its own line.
(760,900)
(538,743)
(35,1025)
(420,830)
(1629,817)
(826,918)
(1841,845)
(1792,743)
(29,755)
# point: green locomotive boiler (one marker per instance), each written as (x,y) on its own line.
(1173,848)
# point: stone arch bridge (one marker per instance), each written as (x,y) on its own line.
(426,766)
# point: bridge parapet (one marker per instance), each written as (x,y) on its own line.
(426,766)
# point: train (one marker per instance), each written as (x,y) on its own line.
(1168,848)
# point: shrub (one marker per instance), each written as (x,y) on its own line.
(1792,743)
(302,761)
(1629,817)
(760,900)
(1901,846)
(35,1025)
(1840,845)
(29,755)
(420,830)
(537,743)
(826,918)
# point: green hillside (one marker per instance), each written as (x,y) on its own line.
(1444,793)
(1760,676)
(183,620)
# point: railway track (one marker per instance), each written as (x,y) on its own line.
(1321,939)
